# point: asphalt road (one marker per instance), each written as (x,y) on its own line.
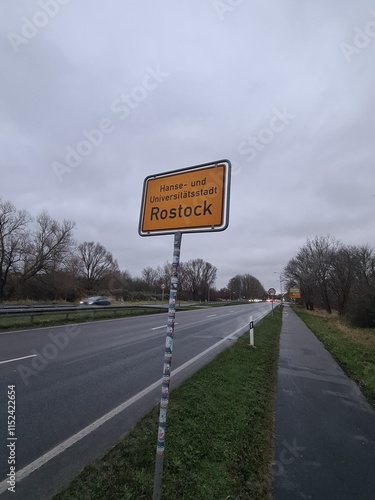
(79,388)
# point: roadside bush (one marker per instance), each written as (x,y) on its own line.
(361,308)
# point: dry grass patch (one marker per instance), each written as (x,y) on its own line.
(362,336)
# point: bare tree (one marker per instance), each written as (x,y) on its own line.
(235,287)
(342,275)
(299,272)
(13,233)
(151,277)
(366,265)
(361,304)
(311,269)
(62,279)
(245,286)
(164,276)
(336,275)
(252,288)
(96,263)
(196,277)
(321,251)
(47,247)
(120,283)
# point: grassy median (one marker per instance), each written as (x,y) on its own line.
(62,318)
(353,348)
(34,320)
(219,439)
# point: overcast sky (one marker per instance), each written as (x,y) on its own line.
(284,89)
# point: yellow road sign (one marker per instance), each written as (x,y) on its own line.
(294,293)
(190,200)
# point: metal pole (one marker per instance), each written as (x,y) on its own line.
(281,291)
(160,446)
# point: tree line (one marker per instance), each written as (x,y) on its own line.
(40,260)
(332,275)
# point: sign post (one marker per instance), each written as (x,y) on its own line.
(164,400)
(272,293)
(189,200)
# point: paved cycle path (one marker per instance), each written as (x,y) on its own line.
(325,428)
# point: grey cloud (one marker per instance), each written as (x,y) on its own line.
(225,78)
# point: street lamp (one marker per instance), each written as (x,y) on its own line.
(281,289)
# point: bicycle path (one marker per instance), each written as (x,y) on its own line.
(324,429)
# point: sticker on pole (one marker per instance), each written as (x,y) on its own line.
(190,200)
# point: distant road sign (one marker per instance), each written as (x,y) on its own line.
(294,293)
(190,200)
(271,291)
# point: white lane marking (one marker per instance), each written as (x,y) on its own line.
(81,359)
(228,314)
(100,354)
(17,359)
(163,326)
(211,315)
(60,448)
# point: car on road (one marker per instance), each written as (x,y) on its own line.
(99,300)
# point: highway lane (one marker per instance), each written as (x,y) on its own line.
(79,373)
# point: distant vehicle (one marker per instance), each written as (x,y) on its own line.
(99,300)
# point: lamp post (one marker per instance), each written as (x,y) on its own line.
(281,290)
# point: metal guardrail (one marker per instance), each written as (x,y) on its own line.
(32,311)
(69,311)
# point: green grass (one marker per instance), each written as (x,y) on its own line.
(353,348)
(219,439)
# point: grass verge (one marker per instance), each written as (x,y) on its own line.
(353,348)
(219,439)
